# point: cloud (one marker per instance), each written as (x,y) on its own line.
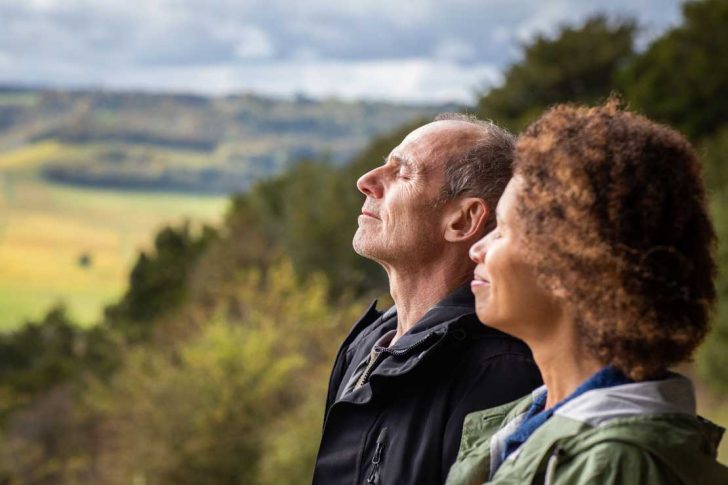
(421,81)
(252,43)
(361,44)
(455,50)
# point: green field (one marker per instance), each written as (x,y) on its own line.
(45,229)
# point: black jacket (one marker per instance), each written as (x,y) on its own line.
(403,426)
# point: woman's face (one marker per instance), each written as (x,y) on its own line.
(507,295)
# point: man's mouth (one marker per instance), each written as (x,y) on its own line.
(369,214)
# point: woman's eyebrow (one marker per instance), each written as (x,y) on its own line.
(499,216)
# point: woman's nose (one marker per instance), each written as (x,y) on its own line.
(477,250)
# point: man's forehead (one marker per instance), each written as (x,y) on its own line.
(446,128)
(432,143)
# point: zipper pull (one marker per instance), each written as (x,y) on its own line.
(373,476)
(552,464)
(377,458)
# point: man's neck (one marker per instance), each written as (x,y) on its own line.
(415,291)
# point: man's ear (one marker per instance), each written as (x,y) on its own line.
(465,219)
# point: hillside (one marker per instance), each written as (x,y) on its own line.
(185,143)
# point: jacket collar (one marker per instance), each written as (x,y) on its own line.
(457,304)
(413,348)
(673,395)
(373,323)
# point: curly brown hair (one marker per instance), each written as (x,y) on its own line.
(615,222)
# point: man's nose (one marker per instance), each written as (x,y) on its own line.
(370,184)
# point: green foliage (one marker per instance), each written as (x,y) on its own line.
(46,441)
(44,354)
(226,405)
(44,433)
(578,65)
(713,358)
(158,281)
(682,79)
(40,354)
(714,156)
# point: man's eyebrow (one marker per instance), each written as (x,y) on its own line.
(402,161)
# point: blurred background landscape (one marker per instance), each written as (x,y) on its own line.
(176,270)
(89,176)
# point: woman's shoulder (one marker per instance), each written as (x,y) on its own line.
(473,460)
(662,449)
(480,426)
(642,449)
(609,461)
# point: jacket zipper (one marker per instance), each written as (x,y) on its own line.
(383,351)
(377,458)
(551,466)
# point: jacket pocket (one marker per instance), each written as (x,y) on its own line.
(376,465)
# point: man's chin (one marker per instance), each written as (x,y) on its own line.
(367,249)
(362,249)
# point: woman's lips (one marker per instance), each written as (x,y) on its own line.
(479,281)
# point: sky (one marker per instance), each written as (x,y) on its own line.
(415,51)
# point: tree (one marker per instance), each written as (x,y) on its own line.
(37,357)
(713,358)
(158,281)
(682,78)
(579,65)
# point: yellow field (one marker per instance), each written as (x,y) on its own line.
(31,156)
(45,229)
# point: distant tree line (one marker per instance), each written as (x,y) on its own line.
(203,181)
(203,142)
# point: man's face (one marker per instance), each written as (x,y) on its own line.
(400,219)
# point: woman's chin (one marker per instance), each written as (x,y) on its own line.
(484,313)
(490,317)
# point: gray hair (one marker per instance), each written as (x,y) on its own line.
(483,169)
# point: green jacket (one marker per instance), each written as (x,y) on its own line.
(641,433)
